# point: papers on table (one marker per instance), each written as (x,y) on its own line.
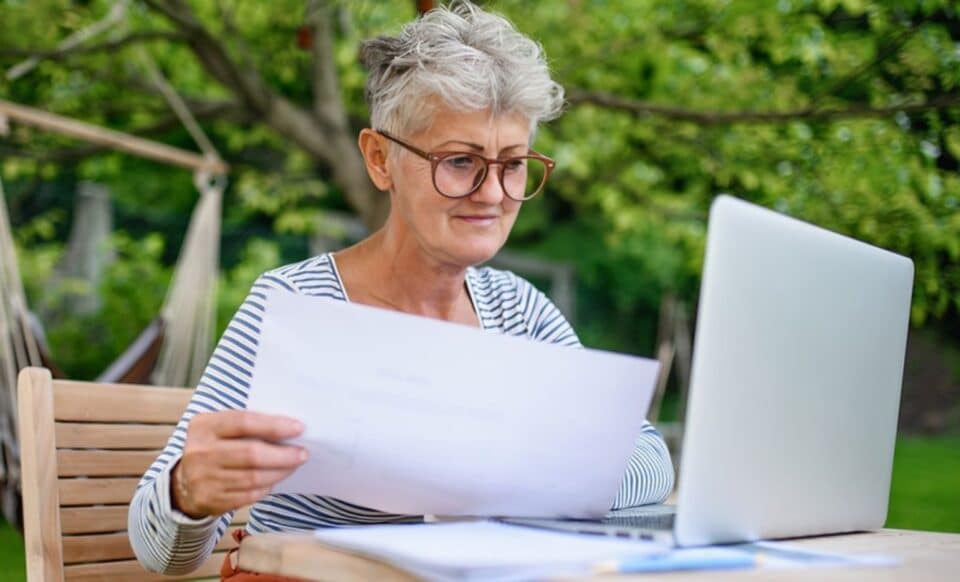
(492,551)
(411,415)
(484,550)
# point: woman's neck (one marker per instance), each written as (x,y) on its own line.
(390,270)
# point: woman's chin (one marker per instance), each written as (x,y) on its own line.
(469,253)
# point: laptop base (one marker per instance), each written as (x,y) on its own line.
(648,522)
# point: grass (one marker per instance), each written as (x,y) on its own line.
(925,494)
(12,565)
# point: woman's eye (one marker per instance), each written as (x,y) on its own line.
(513,165)
(460,162)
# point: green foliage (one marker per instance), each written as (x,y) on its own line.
(648,180)
(258,256)
(629,199)
(132,289)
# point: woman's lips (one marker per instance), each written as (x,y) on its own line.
(478,219)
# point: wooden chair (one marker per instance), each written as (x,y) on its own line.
(84,447)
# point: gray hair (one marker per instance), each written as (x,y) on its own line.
(463,57)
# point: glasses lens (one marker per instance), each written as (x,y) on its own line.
(523,178)
(534,177)
(458,174)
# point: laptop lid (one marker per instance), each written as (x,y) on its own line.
(795,388)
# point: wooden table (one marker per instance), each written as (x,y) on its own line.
(926,556)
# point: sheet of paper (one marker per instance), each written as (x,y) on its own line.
(481,550)
(411,415)
(485,550)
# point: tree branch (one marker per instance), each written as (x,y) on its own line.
(180,15)
(326,88)
(213,56)
(205,110)
(131,82)
(884,53)
(109,46)
(709,118)
(329,142)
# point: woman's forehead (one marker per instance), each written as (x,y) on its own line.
(477,127)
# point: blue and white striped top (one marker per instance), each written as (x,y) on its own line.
(166,540)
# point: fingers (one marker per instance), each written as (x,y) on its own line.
(230,424)
(254,454)
(232,458)
(214,490)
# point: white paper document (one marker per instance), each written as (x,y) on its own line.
(486,551)
(411,415)
(496,552)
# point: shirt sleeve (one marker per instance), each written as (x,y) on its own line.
(164,539)
(649,476)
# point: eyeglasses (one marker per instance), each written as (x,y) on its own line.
(460,174)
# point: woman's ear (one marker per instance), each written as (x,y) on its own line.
(374,150)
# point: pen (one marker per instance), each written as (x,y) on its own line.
(696,559)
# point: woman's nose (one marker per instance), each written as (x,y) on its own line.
(490,190)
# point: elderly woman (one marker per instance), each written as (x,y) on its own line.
(454,100)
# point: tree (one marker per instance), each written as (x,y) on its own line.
(840,112)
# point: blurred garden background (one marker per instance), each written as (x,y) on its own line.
(844,113)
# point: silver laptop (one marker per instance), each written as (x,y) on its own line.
(795,388)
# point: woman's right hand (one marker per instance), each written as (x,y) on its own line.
(232,458)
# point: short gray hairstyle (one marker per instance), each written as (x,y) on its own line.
(465,58)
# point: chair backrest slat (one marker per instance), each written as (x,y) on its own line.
(92,435)
(96,548)
(85,447)
(131,570)
(78,463)
(111,490)
(107,518)
(79,549)
(90,402)
(93,519)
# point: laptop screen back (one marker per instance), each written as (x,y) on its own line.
(795,390)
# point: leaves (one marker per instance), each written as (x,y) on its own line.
(628,202)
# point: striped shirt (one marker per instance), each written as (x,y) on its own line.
(166,540)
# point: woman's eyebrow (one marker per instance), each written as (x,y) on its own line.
(470,145)
(478,147)
(514,146)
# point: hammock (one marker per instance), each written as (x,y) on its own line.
(18,349)
(174,348)
(171,351)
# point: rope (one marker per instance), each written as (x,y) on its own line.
(180,108)
(18,349)
(189,308)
